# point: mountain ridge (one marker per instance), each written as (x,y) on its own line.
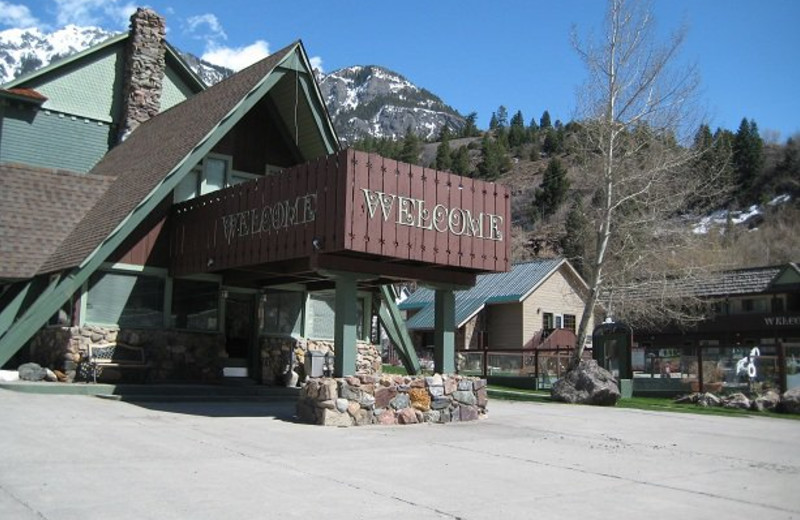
(363,100)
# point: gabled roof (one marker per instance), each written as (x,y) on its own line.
(151,162)
(495,288)
(39,206)
(172,56)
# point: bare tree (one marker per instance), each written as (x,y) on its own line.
(637,114)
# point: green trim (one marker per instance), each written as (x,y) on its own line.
(344,362)
(13,307)
(66,61)
(67,284)
(395,327)
(444,350)
(329,139)
(328,122)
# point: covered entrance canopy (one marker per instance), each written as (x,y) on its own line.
(349,220)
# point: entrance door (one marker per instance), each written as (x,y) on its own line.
(240,334)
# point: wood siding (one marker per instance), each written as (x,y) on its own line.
(558,294)
(350,202)
(505,325)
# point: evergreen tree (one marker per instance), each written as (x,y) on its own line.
(516,131)
(553,142)
(443,154)
(573,242)
(502,117)
(493,121)
(748,156)
(470,126)
(544,121)
(461,165)
(493,159)
(409,152)
(553,190)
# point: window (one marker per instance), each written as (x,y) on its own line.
(127,300)
(569,322)
(559,321)
(283,312)
(213,174)
(322,315)
(195,305)
(547,321)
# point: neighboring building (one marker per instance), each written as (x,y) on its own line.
(536,305)
(755,308)
(200,232)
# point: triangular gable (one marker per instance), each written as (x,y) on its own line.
(182,136)
(87,85)
(790,275)
(148,166)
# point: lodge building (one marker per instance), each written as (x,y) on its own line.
(215,232)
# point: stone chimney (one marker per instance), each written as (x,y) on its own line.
(144,70)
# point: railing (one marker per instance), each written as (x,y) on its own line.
(545,366)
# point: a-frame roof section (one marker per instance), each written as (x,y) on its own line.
(173,57)
(160,152)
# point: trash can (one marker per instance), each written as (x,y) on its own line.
(315,363)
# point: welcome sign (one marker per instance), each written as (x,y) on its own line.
(347,203)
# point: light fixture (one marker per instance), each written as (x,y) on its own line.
(317,243)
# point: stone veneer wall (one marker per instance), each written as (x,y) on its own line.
(387,399)
(173,355)
(279,353)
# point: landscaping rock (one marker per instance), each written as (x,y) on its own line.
(708,400)
(31,372)
(737,401)
(687,399)
(768,401)
(588,383)
(790,400)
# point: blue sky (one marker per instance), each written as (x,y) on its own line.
(476,54)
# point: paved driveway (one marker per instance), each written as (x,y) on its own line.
(65,457)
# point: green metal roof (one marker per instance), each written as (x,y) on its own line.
(513,286)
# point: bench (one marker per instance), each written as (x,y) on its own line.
(114,355)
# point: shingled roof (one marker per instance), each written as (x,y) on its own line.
(151,153)
(40,206)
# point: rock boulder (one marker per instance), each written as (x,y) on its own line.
(790,401)
(588,383)
(31,372)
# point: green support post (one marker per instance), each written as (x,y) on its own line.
(395,328)
(444,353)
(344,363)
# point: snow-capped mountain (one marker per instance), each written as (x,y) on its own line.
(362,100)
(25,50)
(375,101)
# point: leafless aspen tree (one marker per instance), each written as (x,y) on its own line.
(637,113)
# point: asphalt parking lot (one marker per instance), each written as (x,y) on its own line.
(80,457)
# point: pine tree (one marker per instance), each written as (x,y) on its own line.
(544,121)
(493,121)
(409,153)
(461,165)
(444,159)
(470,126)
(493,159)
(553,190)
(502,117)
(748,157)
(516,131)
(573,243)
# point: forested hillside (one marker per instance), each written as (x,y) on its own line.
(754,220)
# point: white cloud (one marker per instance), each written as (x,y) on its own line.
(17,16)
(93,12)
(237,58)
(213,29)
(316,63)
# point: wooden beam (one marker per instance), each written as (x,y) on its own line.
(395,271)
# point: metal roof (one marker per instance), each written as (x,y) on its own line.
(510,287)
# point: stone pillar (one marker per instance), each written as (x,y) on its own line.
(145,64)
(444,352)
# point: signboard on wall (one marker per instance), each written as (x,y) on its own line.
(347,202)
